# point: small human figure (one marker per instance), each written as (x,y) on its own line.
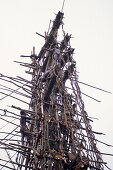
(23,126)
(47,74)
(57,56)
(43,78)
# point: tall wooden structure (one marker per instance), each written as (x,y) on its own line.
(55,131)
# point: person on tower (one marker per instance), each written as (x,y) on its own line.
(23,126)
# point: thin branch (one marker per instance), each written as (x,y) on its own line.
(63,5)
(40,35)
(94,87)
(10,122)
(9,95)
(84,94)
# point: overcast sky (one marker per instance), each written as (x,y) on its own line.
(91,24)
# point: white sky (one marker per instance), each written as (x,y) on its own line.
(91,24)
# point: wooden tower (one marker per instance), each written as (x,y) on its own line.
(55,132)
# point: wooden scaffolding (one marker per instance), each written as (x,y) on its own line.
(55,132)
